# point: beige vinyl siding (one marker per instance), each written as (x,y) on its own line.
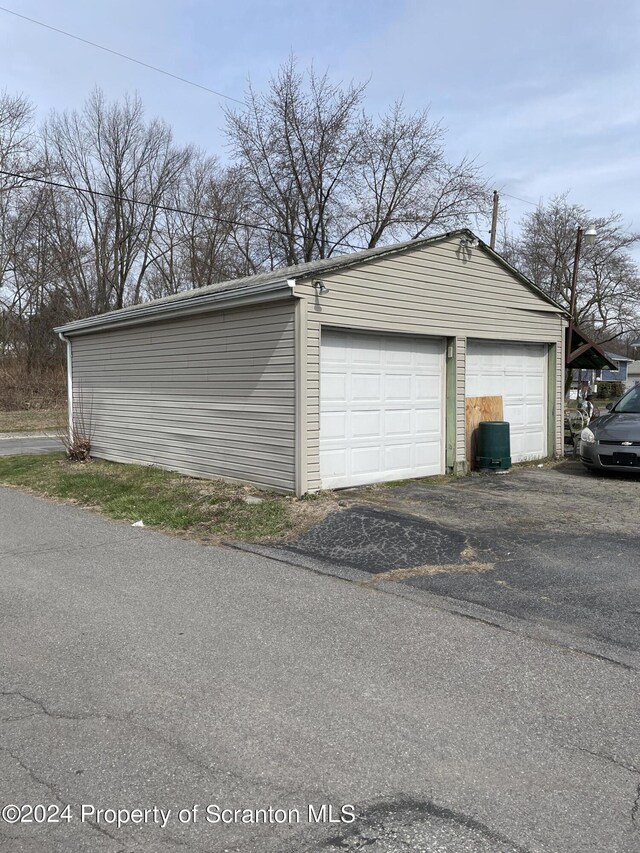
(210,395)
(437,290)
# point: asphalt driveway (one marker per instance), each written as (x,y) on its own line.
(141,671)
(554,547)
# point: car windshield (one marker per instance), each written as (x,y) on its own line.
(630,403)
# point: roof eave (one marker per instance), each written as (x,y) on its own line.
(522,278)
(598,360)
(190,305)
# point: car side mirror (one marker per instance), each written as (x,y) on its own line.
(610,406)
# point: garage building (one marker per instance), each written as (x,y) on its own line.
(341,372)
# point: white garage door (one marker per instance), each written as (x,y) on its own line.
(518,373)
(381,411)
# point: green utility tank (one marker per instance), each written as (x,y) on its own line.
(493,446)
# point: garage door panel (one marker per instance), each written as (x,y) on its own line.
(428,421)
(534,386)
(364,353)
(335,387)
(365,460)
(398,388)
(389,423)
(517,414)
(398,422)
(424,389)
(397,457)
(424,362)
(365,424)
(334,461)
(517,445)
(397,354)
(333,424)
(483,387)
(518,373)
(426,454)
(512,386)
(534,414)
(365,387)
(335,352)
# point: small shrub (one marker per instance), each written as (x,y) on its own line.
(610,390)
(76,438)
(78,447)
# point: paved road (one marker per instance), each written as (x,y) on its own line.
(139,670)
(551,547)
(12,444)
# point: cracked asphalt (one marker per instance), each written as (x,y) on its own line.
(141,670)
(553,548)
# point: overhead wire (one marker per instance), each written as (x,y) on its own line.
(120,55)
(164,207)
(168,209)
(517,198)
(182,80)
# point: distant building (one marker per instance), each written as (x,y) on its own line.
(590,378)
(619,375)
(633,374)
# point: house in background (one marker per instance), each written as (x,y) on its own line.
(341,372)
(616,372)
(621,363)
(633,374)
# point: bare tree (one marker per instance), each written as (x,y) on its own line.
(123,214)
(196,243)
(608,294)
(299,146)
(405,185)
(324,175)
(16,158)
(25,305)
(124,168)
(16,138)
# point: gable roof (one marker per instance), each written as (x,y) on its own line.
(614,356)
(282,279)
(583,353)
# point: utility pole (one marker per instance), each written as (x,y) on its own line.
(589,235)
(494,220)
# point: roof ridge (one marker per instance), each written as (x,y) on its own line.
(276,279)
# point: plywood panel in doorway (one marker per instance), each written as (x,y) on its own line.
(480,409)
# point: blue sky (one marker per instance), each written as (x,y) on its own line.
(545,95)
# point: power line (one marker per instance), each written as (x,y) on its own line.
(167,208)
(121,55)
(517,198)
(61,185)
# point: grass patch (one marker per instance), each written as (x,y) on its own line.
(435,480)
(35,420)
(203,508)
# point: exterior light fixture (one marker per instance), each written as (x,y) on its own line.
(590,235)
(320,287)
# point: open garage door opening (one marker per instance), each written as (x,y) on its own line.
(382,409)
